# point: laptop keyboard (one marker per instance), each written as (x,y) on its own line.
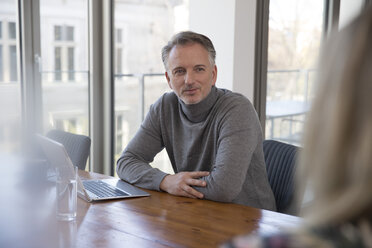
(102,189)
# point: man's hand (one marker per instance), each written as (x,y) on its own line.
(181,183)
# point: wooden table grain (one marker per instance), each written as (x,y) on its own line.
(163,220)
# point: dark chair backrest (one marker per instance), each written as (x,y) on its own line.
(280,161)
(77,146)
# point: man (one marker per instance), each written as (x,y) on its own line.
(212,136)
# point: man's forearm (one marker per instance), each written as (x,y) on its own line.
(134,164)
(139,173)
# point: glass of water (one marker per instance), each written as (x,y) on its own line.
(66,193)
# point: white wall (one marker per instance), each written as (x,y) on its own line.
(215,19)
(244,47)
(230,25)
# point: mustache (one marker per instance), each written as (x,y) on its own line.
(189,88)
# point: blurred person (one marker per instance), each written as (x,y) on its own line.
(336,162)
(213,136)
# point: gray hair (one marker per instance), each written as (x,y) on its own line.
(188,37)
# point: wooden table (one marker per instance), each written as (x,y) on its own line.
(28,217)
(163,220)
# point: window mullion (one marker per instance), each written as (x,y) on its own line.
(29,38)
(101,86)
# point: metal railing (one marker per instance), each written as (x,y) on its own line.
(141,77)
(305,72)
(290,121)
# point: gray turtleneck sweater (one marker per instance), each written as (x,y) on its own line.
(221,134)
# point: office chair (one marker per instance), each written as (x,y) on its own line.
(280,161)
(77,146)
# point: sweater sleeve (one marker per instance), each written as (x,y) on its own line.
(239,135)
(133,165)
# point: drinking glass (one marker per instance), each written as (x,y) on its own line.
(66,193)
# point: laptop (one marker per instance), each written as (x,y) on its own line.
(89,190)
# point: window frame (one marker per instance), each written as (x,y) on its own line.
(330,24)
(102,70)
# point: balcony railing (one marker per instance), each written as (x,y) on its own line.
(289,95)
(141,80)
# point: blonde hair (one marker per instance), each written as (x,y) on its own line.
(337,155)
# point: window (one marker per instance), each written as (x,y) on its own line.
(57,33)
(141,29)
(69,33)
(63,33)
(139,78)
(13,63)
(8,52)
(119,51)
(12,30)
(65,74)
(71,75)
(295,30)
(57,64)
(10,88)
(64,53)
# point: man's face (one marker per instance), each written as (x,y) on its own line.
(190,74)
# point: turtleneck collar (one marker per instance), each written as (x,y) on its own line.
(199,111)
